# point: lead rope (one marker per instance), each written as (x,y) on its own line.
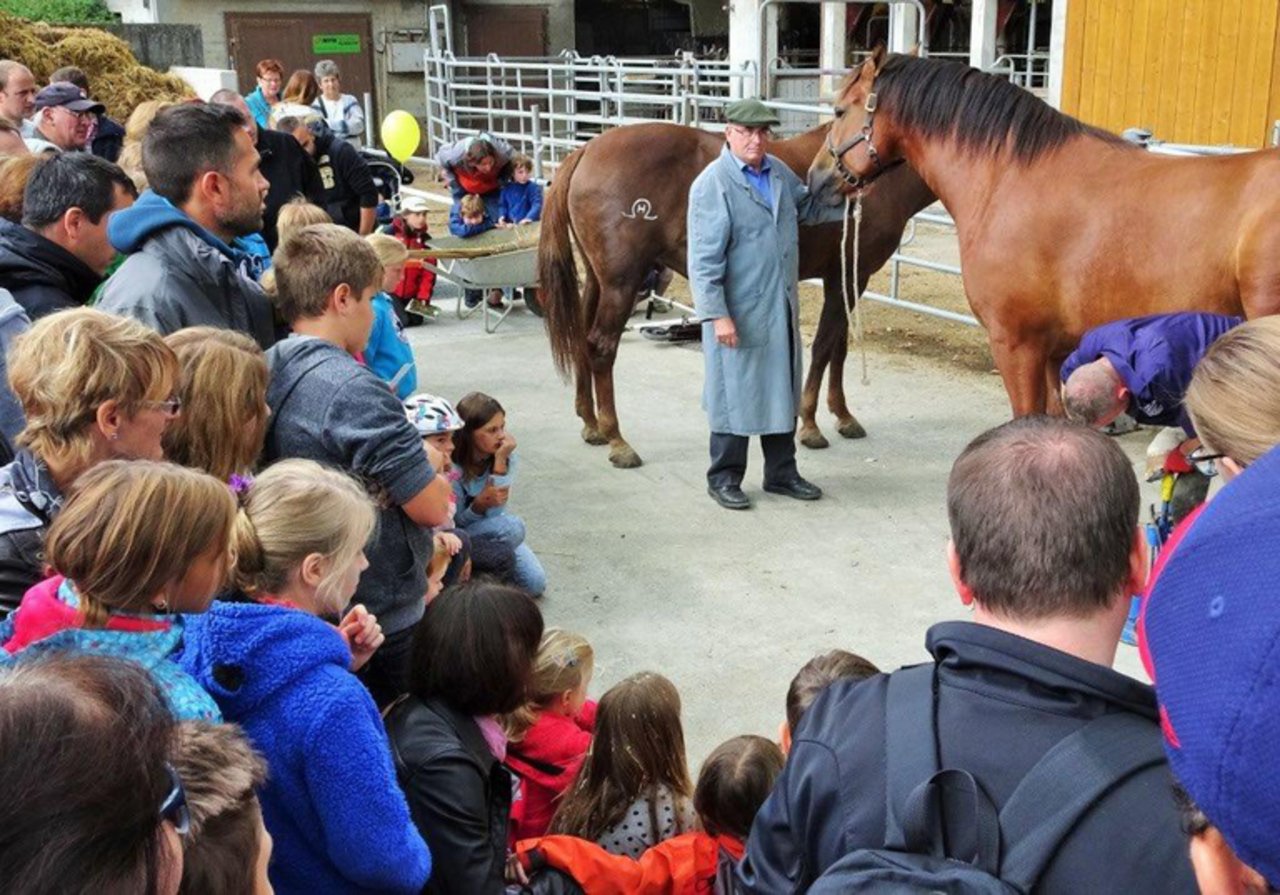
(853,309)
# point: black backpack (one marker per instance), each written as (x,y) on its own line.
(942,832)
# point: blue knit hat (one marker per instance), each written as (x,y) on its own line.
(1213,631)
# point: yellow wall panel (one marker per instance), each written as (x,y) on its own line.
(1193,71)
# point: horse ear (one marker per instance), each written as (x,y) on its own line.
(878,54)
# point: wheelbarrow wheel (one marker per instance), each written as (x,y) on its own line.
(532,300)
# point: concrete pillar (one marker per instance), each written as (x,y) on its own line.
(904,28)
(745,26)
(1057,53)
(982,33)
(833,50)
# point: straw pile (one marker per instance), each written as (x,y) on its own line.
(117,78)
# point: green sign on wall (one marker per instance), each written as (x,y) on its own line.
(333,44)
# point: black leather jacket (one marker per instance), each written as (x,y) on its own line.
(459,795)
(28,502)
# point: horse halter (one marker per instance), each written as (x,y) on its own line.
(837,152)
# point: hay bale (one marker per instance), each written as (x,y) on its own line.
(118,79)
(19,41)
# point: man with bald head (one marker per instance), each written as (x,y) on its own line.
(17,92)
(286,165)
(1140,366)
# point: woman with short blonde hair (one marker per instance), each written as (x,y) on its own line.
(93,387)
(223,390)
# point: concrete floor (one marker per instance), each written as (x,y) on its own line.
(727,605)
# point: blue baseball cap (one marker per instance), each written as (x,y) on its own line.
(1213,634)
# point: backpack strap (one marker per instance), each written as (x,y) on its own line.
(911,743)
(1069,780)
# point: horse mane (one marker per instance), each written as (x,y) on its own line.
(981,112)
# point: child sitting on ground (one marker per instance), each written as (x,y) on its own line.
(732,785)
(484,452)
(388,353)
(277,668)
(470,217)
(436,421)
(814,676)
(548,738)
(413,292)
(520,201)
(632,791)
(227,848)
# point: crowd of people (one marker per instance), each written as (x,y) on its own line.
(267,621)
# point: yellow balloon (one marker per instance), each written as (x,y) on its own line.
(400,135)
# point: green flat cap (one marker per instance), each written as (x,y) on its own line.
(750,112)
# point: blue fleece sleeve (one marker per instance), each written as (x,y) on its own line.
(463,515)
(535,202)
(505,480)
(364,818)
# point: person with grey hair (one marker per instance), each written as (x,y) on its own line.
(341,111)
(59,253)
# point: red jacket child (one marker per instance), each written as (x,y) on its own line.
(683,865)
(417,282)
(546,761)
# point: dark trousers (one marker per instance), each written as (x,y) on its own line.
(729,458)
(386,674)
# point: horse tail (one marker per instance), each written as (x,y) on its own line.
(558,272)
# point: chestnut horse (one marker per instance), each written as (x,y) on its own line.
(623,198)
(1062,226)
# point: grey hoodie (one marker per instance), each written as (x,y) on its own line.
(328,408)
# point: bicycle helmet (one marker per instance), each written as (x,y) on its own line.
(431,415)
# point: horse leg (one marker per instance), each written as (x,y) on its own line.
(1053,387)
(584,402)
(611,317)
(810,435)
(833,323)
(846,423)
(1021,362)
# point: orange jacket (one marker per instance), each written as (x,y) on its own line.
(682,865)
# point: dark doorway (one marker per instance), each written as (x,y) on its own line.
(506,30)
(632,27)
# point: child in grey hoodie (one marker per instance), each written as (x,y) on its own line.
(327,407)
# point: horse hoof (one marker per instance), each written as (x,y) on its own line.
(624,457)
(814,440)
(593,436)
(852,429)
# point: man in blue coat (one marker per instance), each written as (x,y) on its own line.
(1141,366)
(744,211)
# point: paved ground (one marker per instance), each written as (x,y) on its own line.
(728,605)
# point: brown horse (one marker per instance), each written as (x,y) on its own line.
(623,198)
(1062,226)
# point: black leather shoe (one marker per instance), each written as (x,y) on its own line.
(729,496)
(797,488)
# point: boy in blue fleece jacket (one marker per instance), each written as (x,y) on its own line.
(520,201)
(327,407)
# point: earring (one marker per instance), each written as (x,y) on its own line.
(114,436)
(162,607)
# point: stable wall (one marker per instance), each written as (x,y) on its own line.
(1191,71)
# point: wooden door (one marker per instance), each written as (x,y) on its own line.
(506,30)
(301,42)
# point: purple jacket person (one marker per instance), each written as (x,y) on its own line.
(1141,366)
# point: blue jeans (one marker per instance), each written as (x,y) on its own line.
(509,530)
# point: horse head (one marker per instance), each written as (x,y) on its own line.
(862,142)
